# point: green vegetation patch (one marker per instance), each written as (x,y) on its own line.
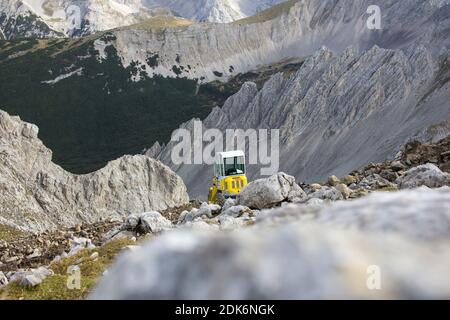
(8,233)
(55,287)
(268,14)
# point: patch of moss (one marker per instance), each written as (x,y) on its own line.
(268,14)
(9,233)
(55,287)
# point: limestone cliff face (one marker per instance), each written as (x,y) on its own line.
(295,28)
(36,194)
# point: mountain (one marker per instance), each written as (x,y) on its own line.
(55,18)
(221,11)
(74,18)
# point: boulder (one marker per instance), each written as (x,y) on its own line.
(205,210)
(374,181)
(344,190)
(236,211)
(266,193)
(32,277)
(230,202)
(228,223)
(327,193)
(3,279)
(154,222)
(348,180)
(397,166)
(30,281)
(131,222)
(419,214)
(333,181)
(427,175)
(78,244)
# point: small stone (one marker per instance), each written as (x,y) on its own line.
(12,259)
(131,248)
(333,181)
(344,190)
(236,211)
(3,279)
(94,256)
(36,254)
(348,180)
(315,186)
(30,281)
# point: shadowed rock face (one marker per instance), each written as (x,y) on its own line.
(36,194)
(287,254)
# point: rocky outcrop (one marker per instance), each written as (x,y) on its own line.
(336,251)
(38,195)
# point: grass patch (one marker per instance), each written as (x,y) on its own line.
(55,287)
(8,233)
(268,14)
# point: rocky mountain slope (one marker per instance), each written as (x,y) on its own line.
(37,195)
(292,29)
(326,125)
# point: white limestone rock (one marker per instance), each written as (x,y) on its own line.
(265,193)
(154,222)
(427,175)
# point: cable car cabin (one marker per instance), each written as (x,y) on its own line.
(229,176)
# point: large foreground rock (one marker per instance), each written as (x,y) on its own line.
(36,194)
(265,193)
(424,175)
(310,258)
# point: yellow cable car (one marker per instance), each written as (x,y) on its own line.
(229,176)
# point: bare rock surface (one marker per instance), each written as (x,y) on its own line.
(263,193)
